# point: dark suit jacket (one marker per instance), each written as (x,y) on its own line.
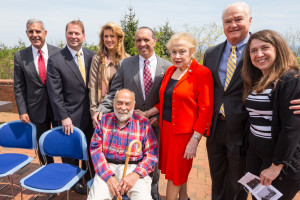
(30,93)
(68,93)
(286,125)
(127,76)
(235,111)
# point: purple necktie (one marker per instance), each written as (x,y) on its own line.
(147,78)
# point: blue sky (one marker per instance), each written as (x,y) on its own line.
(277,15)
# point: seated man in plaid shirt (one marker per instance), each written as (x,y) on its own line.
(111,138)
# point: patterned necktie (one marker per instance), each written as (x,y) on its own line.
(42,67)
(231,66)
(147,78)
(81,66)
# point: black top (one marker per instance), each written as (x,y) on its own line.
(167,104)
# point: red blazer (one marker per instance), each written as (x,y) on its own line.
(192,100)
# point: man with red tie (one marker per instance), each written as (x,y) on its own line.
(30,68)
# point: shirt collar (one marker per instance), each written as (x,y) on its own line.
(240,45)
(73,52)
(150,59)
(35,50)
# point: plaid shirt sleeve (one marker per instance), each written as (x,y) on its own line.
(150,149)
(99,161)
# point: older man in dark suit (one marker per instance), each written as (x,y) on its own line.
(67,85)
(141,74)
(230,118)
(226,144)
(30,80)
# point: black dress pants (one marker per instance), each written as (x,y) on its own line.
(43,127)
(227,165)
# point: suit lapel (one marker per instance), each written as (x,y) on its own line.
(136,75)
(72,65)
(159,73)
(30,63)
(217,62)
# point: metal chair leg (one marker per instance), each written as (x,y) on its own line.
(12,186)
(21,192)
(36,196)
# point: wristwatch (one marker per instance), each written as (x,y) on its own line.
(196,137)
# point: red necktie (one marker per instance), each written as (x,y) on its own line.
(147,78)
(42,67)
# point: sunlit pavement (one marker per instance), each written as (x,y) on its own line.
(199,184)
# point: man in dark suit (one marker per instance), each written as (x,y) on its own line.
(130,75)
(67,86)
(224,144)
(30,81)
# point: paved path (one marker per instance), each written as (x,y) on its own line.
(198,186)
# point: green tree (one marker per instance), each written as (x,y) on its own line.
(91,47)
(206,36)
(7,59)
(61,44)
(129,25)
(163,35)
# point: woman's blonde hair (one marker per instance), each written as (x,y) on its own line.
(191,42)
(120,50)
(285,60)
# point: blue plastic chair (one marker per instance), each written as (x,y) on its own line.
(16,134)
(58,177)
(90,183)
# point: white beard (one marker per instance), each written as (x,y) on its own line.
(123,115)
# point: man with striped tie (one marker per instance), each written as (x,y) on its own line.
(30,80)
(230,118)
(226,144)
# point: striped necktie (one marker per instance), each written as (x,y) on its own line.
(231,66)
(81,66)
(147,78)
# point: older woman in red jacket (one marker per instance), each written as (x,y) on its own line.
(185,107)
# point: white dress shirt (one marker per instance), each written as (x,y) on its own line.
(152,67)
(36,55)
(73,52)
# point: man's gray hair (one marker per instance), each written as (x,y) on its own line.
(245,5)
(124,89)
(33,21)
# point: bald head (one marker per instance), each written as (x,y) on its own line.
(125,92)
